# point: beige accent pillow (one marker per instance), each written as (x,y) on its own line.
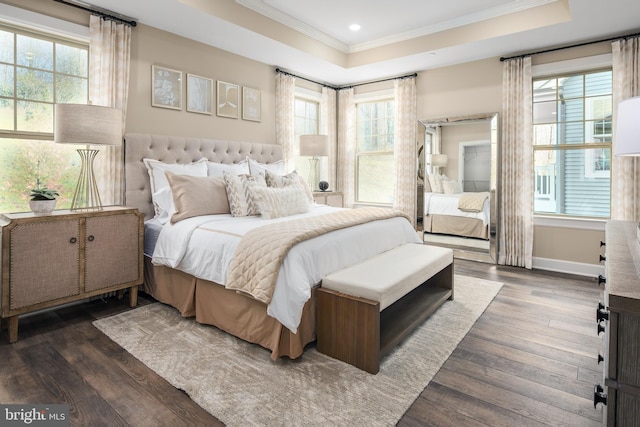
(451,187)
(276,202)
(239,193)
(275,180)
(435,181)
(195,196)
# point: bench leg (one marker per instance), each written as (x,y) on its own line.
(348,329)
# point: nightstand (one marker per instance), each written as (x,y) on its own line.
(331,198)
(68,256)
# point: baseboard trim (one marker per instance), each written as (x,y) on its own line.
(570,267)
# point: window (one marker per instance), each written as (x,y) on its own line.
(375,166)
(36,72)
(306,116)
(572,121)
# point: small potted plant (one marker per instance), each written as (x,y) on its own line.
(43,200)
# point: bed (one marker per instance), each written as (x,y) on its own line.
(183,285)
(444,216)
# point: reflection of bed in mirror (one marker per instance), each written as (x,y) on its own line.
(444,216)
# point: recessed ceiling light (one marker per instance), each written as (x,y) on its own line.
(354,27)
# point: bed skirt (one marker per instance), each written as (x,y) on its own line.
(235,313)
(458,226)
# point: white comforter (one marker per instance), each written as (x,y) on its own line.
(447,204)
(204,246)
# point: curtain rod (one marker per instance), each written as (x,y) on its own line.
(104,13)
(502,59)
(279,70)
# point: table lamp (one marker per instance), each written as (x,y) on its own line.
(90,125)
(437,161)
(314,146)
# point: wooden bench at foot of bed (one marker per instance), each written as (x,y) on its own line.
(366,309)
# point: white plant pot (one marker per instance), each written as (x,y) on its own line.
(42,207)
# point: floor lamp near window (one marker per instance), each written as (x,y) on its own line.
(314,146)
(90,125)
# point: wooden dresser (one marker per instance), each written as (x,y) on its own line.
(68,256)
(619,318)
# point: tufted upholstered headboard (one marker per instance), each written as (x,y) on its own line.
(177,149)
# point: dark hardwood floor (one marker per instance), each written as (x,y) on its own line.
(530,360)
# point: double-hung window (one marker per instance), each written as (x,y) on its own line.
(36,72)
(306,122)
(572,120)
(375,166)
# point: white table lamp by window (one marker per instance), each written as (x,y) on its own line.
(90,125)
(314,146)
(437,161)
(627,136)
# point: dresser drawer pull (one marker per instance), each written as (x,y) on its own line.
(600,358)
(603,258)
(73,240)
(599,396)
(601,313)
(602,243)
(601,280)
(601,328)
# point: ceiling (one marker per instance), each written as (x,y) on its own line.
(311,38)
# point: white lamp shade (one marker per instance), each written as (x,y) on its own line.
(314,145)
(439,160)
(87,124)
(627,136)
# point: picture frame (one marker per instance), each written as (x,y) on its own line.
(199,94)
(228,100)
(166,88)
(251,104)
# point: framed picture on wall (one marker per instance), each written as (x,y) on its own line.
(228,100)
(166,87)
(199,94)
(251,104)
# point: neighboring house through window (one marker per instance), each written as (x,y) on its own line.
(572,120)
(37,71)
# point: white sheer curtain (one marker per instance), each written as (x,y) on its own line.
(625,170)
(405,146)
(285,129)
(109,58)
(516,177)
(327,127)
(346,145)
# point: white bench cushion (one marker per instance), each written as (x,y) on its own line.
(389,276)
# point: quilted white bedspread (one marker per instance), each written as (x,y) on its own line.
(204,246)
(447,204)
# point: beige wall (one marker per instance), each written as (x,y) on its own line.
(450,91)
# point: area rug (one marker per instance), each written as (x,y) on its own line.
(239,384)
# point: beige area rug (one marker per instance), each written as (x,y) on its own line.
(239,384)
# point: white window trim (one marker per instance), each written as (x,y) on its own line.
(35,21)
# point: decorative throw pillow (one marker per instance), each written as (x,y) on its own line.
(276,202)
(435,181)
(216,169)
(195,196)
(239,193)
(275,180)
(158,181)
(451,187)
(255,167)
(164,201)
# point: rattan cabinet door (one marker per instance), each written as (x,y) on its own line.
(112,251)
(45,262)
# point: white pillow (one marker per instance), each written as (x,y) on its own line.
(275,180)
(276,202)
(158,180)
(255,168)
(239,193)
(217,169)
(164,200)
(451,187)
(435,181)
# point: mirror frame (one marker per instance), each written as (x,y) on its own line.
(430,127)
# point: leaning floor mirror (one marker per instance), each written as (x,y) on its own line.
(458,174)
